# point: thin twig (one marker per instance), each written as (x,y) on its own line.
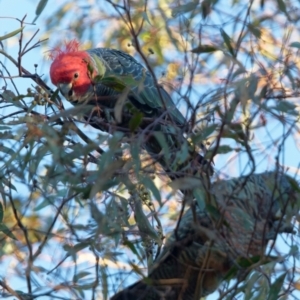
(47,234)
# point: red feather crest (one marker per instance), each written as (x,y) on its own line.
(69,47)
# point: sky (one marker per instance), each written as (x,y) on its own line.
(13,9)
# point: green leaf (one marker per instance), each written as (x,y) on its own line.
(72,250)
(41,6)
(294,184)
(295,45)
(8,135)
(136,121)
(281,6)
(152,187)
(200,194)
(74,111)
(286,107)
(55,96)
(185,183)
(118,109)
(228,42)
(97,215)
(182,155)
(1,212)
(262,93)
(131,246)
(3,193)
(7,232)
(276,287)
(142,221)
(135,154)
(104,281)
(240,70)
(11,34)
(114,143)
(249,261)
(237,130)
(182,9)
(243,262)
(290,76)
(80,275)
(204,134)
(43,204)
(254,30)
(145,17)
(223,149)
(206,7)
(163,143)
(6,150)
(204,49)
(213,211)
(87,286)
(117,82)
(231,112)
(8,183)
(253,83)
(249,288)
(106,179)
(5,127)
(100,67)
(294,250)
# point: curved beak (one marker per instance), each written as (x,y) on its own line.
(65,88)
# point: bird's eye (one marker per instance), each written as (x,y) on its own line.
(76,75)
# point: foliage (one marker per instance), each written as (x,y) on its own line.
(98,202)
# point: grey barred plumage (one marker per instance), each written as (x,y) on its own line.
(119,63)
(195,260)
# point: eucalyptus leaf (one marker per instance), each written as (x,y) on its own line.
(185,183)
(80,275)
(276,287)
(185,8)
(295,45)
(39,9)
(228,42)
(152,187)
(43,204)
(11,34)
(142,221)
(118,109)
(1,212)
(7,231)
(204,49)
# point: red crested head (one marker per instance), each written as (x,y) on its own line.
(72,46)
(70,68)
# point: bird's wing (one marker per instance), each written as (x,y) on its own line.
(146,95)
